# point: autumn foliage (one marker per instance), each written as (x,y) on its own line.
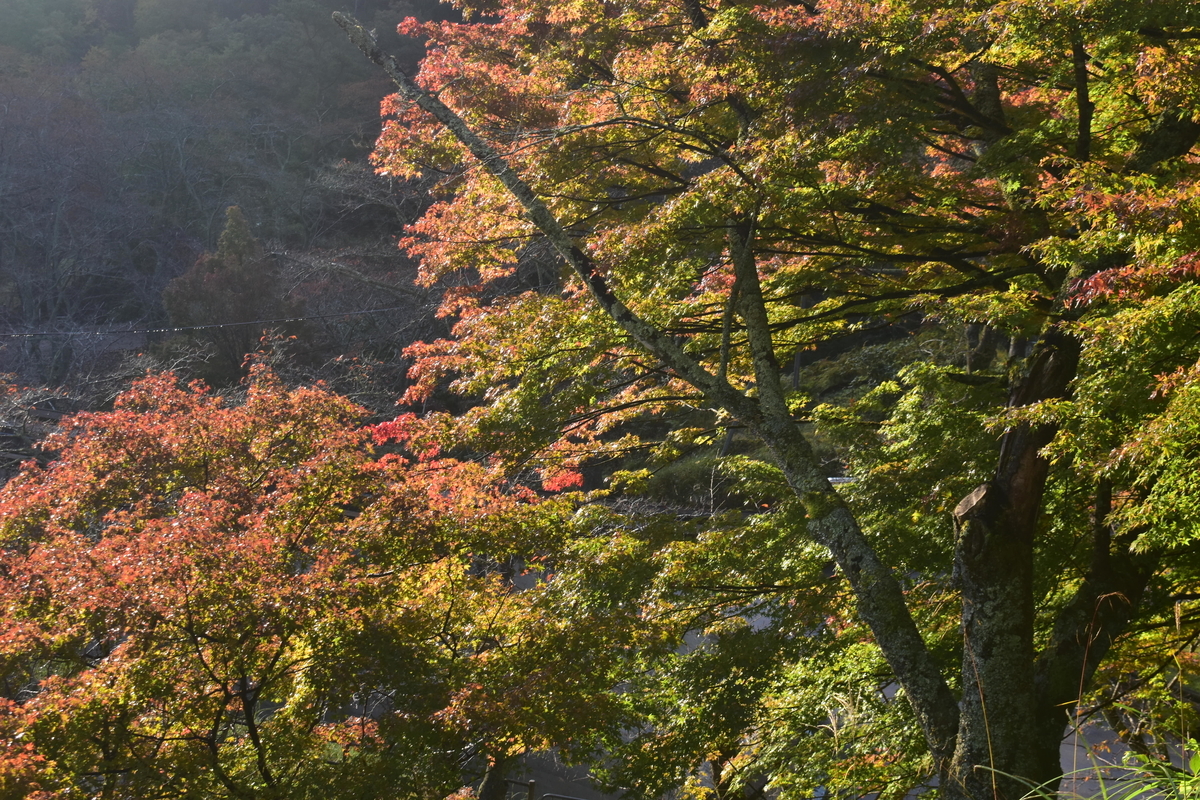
(212,599)
(719,253)
(946,251)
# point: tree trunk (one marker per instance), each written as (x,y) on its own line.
(996,526)
(494,785)
(994,570)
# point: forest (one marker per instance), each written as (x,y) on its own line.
(130,127)
(736,399)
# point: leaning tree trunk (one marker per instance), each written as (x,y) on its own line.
(494,785)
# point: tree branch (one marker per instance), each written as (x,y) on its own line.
(1086,627)
(1083,137)
(1171,135)
(400,292)
(647,335)
(880,598)
(695,14)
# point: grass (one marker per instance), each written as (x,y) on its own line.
(1137,777)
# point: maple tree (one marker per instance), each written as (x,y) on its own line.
(1003,195)
(211,599)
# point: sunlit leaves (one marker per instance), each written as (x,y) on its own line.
(915,448)
(205,598)
(905,171)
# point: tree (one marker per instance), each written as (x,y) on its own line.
(230,295)
(206,599)
(732,186)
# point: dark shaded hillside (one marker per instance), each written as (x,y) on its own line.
(127,128)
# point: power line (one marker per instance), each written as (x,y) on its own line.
(43,334)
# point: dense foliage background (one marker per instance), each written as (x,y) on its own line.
(800,398)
